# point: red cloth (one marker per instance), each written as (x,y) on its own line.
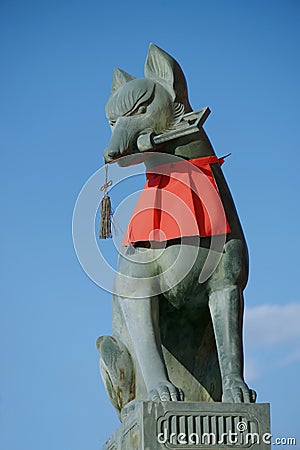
(179,199)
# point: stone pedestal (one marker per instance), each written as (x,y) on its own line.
(192,425)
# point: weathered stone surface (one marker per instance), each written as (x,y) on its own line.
(196,425)
(178,300)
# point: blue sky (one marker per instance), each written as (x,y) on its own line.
(242,60)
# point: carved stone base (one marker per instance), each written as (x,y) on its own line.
(192,425)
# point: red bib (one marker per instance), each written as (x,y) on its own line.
(179,199)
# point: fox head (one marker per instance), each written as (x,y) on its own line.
(152,104)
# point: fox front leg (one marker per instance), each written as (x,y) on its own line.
(142,320)
(226,308)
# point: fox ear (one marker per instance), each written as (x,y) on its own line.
(120,77)
(161,67)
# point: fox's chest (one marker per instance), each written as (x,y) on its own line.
(179,268)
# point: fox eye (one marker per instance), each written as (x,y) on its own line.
(142,109)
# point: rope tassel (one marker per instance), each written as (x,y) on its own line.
(105,210)
(105,226)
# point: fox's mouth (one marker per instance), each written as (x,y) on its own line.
(111,159)
(111,156)
(127,158)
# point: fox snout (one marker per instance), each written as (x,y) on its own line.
(123,140)
(109,155)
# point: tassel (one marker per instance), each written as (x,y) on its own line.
(105,210)
(105,226)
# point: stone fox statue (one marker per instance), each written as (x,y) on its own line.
(174,338)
